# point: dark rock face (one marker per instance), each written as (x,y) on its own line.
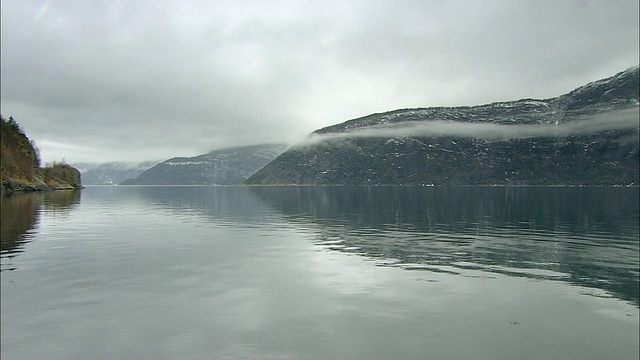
(221,167)
(586,137)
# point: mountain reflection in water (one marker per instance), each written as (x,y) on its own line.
(584,236)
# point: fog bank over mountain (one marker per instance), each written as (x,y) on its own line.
(615,120)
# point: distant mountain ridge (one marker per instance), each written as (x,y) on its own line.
(111,173)
(588,136)
(230,166)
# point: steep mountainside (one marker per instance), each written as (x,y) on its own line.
(111,173)
(586,137)
(20,164)
(229,166)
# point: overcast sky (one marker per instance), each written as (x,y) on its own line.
(141,80)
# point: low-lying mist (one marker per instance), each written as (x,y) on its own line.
(612,120)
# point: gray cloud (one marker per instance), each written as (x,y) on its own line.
(138,80)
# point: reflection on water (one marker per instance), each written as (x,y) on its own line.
(585,236)
(320,273)
(20,214)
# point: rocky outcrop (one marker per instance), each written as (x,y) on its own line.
(20,166)
(59,177)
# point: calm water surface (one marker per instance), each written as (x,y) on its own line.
(321,273)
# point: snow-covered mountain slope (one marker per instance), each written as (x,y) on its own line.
(229,166)
(617,92)
(588,136)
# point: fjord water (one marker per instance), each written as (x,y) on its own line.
(321,273)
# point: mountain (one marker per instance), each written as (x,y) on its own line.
(229,166)
(20,164)
(111,173)
(586,137)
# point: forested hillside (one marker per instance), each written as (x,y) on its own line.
(20,164)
